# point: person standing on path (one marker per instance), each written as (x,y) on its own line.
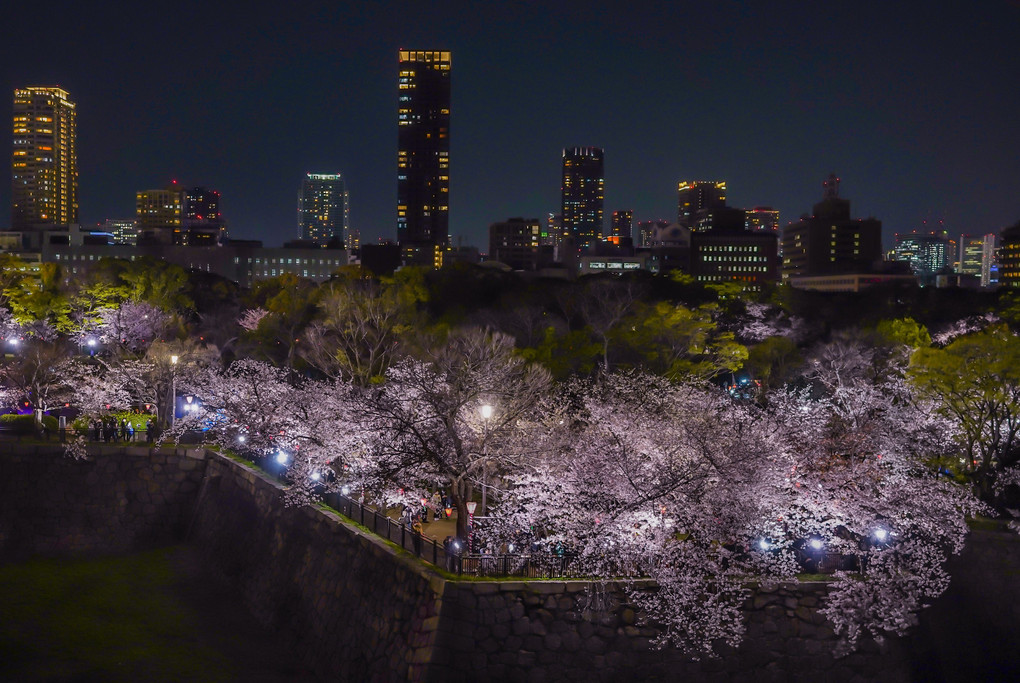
(417,531)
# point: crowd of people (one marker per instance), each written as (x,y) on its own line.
(110,430)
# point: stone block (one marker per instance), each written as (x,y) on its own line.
(511,586)
(571,641)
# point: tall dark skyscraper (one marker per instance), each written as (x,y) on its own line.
(582,194)
(622,227)
(696,202)
(323,208)
(44,167)
(423,158)
(202,220)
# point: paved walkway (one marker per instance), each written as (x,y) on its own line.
(438,531)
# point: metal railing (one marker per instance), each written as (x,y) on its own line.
(421,546)
(531,566)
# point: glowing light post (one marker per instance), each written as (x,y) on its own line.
(173,389)
(486,415)
(471,524)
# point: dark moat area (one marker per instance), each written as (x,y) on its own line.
(148,616)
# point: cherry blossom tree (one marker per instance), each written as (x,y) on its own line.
(426,423)
(678,483)
(126,382)
(133,326)
(254,407)
(661,480)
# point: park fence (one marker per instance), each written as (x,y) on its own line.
(523,565)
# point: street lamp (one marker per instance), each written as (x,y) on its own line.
(173,390)
(471,522)
(486,411)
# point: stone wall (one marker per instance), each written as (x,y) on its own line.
(353,607)
(548,631)
(114,501)
(349,605)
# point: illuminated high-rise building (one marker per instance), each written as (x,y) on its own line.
(763,218)
(1009,257)
(928,253)
(696,200)
(622,229)
(44,166)
(646,231)
(582,194)
(202,220)
(324,208)
(423,156)
(977,256)
(517,242)
(553,229)
(122,231)
(159,214)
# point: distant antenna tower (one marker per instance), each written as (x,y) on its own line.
(831,186)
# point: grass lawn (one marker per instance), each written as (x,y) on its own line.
(151,616)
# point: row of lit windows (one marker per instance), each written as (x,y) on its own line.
(744,269)
(736,259)
(731,247)
(298,262)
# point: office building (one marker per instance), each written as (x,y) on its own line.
(968,257)
(697,200)
(977,257)
(121,231)
(829,241)
(928,254)
(243,261)
(159,214)
(44,166)
(553,233)
(423,156)
(1009,257)
(730,252)
(582,194)
(621,230)
(763,218)
(518,243)
(202,221)
(647,229)
(747,257)
(324,208)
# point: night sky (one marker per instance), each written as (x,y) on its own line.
(914,105)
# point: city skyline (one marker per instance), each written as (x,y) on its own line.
(768,100)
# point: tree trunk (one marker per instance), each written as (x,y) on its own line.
(458,491)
